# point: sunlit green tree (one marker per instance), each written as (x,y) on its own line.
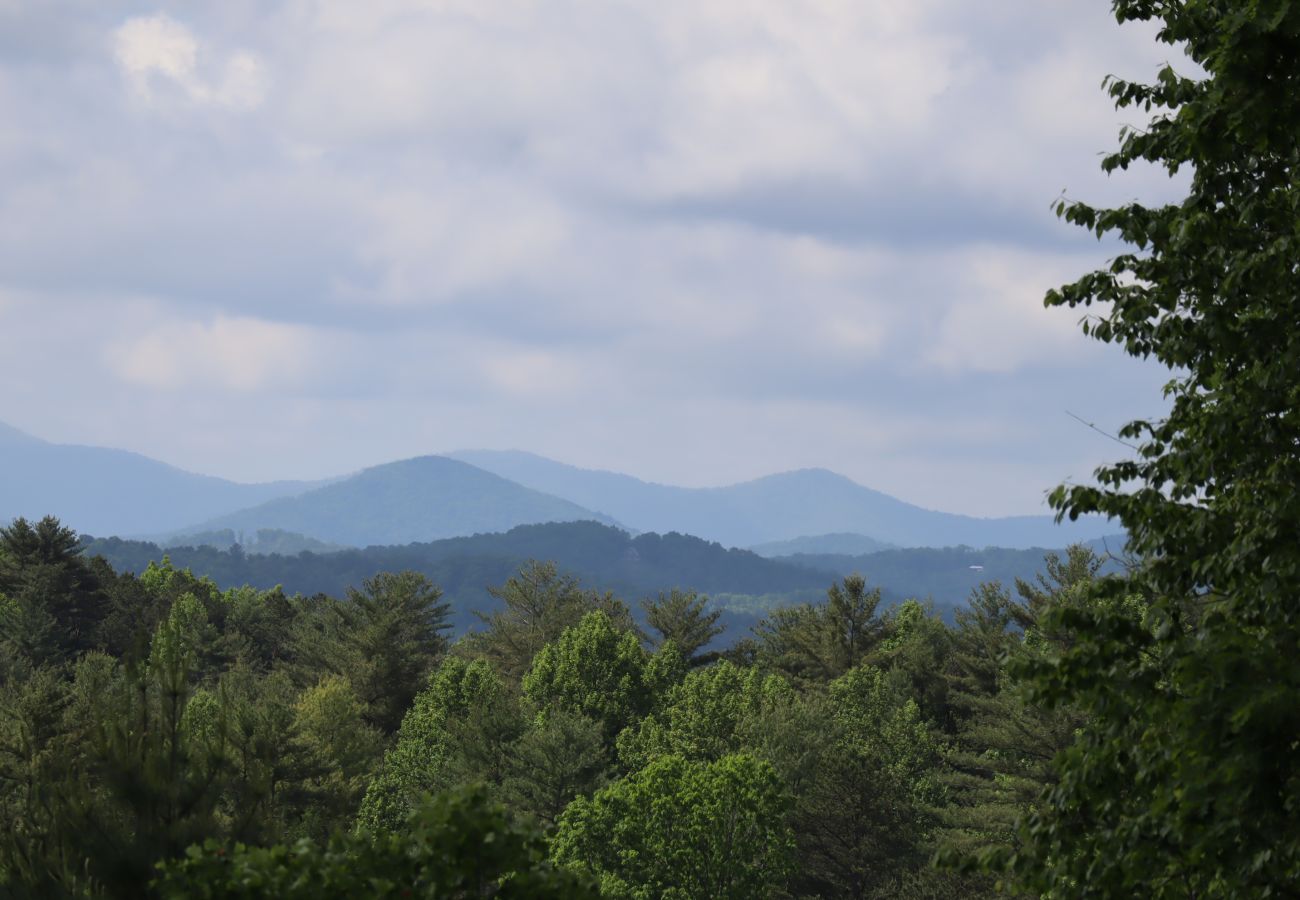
(680,829)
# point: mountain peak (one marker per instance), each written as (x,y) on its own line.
(812,477)
(421,498)
(11,435)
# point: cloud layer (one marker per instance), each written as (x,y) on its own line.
(695,242)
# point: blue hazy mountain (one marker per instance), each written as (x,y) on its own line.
(777,508)
(422,499)
(106,491)
(115,492)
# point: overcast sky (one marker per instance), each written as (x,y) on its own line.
(692,240)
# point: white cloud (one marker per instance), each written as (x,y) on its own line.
(780,91)
(226,354)
(158,44)
(531,373)
(658,100)
(445,238)
(154,49)
(995,320)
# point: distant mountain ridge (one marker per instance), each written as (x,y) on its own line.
(742,583)
(777,507)
(114,492)
(107,491)
(603,557)
(426,498)
(846,543)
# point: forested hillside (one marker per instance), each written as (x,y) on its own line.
(845,543)
(946,575)
(829,753)
(742,584)
(464,568)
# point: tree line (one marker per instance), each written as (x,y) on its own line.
(161,735)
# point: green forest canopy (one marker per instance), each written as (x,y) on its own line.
(161,735)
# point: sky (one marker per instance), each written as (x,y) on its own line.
(697,241)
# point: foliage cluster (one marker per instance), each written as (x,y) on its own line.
(257,744)
(1186,780)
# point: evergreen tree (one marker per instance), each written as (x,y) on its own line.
(562,756)
(914,651)
(340,751)
(540,603)
(683,618)
(1003,755)
(860,816)
(54,601)
(424,757)
(822,642)
(385,639)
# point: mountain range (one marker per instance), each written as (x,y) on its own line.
(807,503)
(104,491)
(113,492)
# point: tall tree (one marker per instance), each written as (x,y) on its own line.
(859,817)
(915,651)
(539,603)
(425,756)
(1003,752)
(1187,781)
(127,780)
(341,752)
(55,602)
(684,618)
(681,829)
(562,756)
(714,711)
(822,642)
(598,670)
(385,639)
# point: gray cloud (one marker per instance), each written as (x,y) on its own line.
(694,242)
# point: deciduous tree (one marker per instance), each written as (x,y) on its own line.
(1186,781)
(680,829)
